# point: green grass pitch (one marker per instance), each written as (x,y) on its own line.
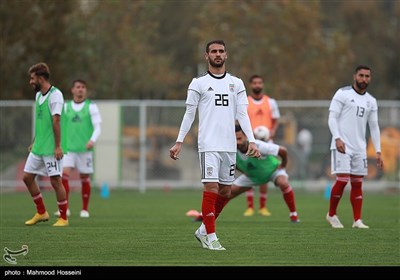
(151,229)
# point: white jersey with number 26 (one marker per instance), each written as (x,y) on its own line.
(217,99)
(354,111)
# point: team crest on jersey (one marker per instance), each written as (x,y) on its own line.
(368,104)
(231,87)
(209,171)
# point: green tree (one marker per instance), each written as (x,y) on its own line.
(150,49)
(281,40)
(176,21)
(121,63)
(373,30)
(32,31)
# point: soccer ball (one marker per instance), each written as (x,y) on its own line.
(262,133)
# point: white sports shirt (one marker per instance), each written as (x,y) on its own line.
(274,108)
(267,148)
(220,101)
(56,100)
(349,114)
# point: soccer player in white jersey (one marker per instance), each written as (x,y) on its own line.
(45,157)
(351,109)
(81,128)
(221,99)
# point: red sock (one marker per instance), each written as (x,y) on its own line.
(336,193)
(356,196)
(220,203)
(288,196)
(38,199)
(62,207)
(263,200)
(65,183)
(208,210)
(85,193)
(250,198)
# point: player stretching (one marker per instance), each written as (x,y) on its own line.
(260,171)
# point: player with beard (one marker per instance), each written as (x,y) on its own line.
(351,109)
(45,153)
(267,168)
(263,111)
(221,99)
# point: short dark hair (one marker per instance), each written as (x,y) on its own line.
(255,76)
(78,81)
(218,41)
(40,69)
(238,128)
(360,67)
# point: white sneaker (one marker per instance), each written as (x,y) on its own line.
(359,224)
(84,214)
(215,245)
(201,238)
(334,221)
(57,213)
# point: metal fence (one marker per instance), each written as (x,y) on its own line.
(148,128)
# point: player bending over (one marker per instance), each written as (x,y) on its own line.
(257,171)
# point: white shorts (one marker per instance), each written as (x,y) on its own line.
(243,181)
(217,167)
(43,165)
(81,161)
(355,164)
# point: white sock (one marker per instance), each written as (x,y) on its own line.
(211,237)
(203,229)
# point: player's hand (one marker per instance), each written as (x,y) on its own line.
(175,150)
(89,145)
(58,153)
(340,146)
(253,150)
(30,148)
(379,161)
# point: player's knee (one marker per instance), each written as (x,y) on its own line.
(56,181)
(28,179)
(225,193)
(285,187)
(85,178)
(282,182)
(343,178)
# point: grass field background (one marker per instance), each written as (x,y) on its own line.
(151,229)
